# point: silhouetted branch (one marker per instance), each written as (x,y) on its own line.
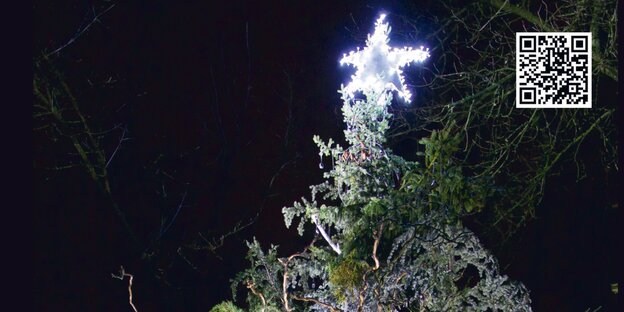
(82,30)
(121,140)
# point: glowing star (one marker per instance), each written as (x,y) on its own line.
(379,66)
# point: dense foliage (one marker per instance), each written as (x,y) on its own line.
(470,89)
(384,232)
(396,240)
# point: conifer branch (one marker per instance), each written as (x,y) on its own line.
(323,304)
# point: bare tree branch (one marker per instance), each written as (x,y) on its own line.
(122,274)
(121,140)
(253,289)
(81,30)
(285,263)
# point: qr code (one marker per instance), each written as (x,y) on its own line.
(553,69)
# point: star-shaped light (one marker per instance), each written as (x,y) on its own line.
(379,66)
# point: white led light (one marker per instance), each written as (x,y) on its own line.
(378,66)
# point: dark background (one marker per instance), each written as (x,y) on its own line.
(219,99)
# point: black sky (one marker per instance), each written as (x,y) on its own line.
(201,88)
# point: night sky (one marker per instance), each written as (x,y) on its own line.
(220,100)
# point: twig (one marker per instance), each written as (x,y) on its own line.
(122,274)
(377,235)
(576,140)
(285,275)
(609,71)
(174,216)
(252,287)
(519,11)
(123,138)
(81,30)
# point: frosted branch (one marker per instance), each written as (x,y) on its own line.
(335,247)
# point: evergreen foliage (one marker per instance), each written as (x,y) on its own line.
(226,306)
(396,227)
(471,92)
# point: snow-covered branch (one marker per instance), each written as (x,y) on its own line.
(335,247)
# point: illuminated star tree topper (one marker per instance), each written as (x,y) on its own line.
(379,66)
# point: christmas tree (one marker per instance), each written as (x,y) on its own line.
(388,234)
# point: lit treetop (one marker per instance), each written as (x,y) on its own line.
(379,66)
(374,205)
(378,71)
